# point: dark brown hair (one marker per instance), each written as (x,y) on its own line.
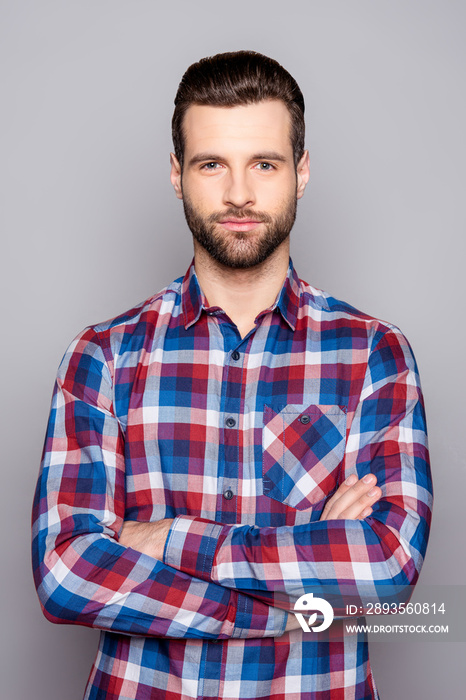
(238,78)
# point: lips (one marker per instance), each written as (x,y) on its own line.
(240,225)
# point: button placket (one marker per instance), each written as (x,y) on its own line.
(231,449)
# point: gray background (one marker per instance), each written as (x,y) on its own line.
(90,226)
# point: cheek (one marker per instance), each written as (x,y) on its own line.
(204,196)
(279,205)
(277,194)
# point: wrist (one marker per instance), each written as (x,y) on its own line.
(146,538)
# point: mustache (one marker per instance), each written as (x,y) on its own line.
(248,214)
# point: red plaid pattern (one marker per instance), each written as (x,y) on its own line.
(165,411)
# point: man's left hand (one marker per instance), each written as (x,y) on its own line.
(354,499)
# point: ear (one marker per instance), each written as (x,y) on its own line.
(302,173)
(175,175)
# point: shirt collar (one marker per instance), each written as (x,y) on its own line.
(289,298)
(193,301)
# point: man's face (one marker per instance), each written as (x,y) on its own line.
(239,185)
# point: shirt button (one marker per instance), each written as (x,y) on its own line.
(235,355)
(305,419)
(230,422)
(228,494)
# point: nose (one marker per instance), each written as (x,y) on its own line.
(238,190)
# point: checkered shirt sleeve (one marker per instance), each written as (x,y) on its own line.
(82,574)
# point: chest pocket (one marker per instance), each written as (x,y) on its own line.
(302,449)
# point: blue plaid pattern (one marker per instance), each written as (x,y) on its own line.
(166,412)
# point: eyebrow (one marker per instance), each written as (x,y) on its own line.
(211,157)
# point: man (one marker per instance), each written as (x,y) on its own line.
(212,454)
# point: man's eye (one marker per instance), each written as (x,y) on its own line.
(264,166)
(209,166)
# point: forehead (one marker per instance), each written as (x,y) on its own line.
(262,126)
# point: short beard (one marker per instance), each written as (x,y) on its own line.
(238,250)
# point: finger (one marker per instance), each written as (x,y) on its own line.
(365,513)
(352,495)
(367,500)
(342,489)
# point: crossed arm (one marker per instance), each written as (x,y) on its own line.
(353,500)
(93,568)
(362,552)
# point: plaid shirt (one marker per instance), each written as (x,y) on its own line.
(165,412)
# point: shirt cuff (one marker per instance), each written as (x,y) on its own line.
(252,623)
(191,544)
(190,547)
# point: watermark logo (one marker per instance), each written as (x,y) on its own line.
(312,607)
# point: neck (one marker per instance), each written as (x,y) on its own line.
(242,294)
